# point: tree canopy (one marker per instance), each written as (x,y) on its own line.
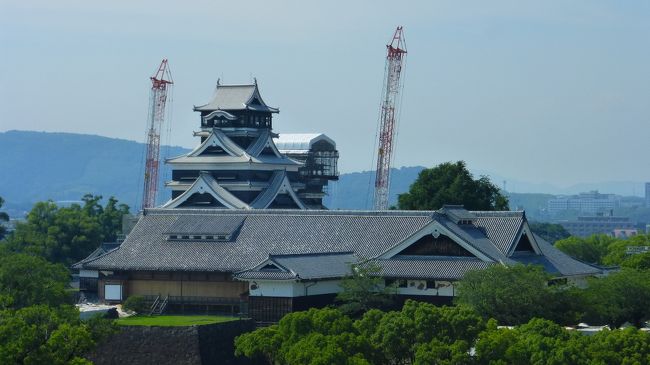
(4,217)
(601,249)
(28,280)
(550,232)
(364,289)
(452,183)
(515,294)
(422,334)
(67,234)
(414,335)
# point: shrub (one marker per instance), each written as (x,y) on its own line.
(135,303)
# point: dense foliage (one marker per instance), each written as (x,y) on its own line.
(37,326)
(551,232)
(28,280)
(67,234)
(425,334)
(364,289)
(414,335)
(135,303)
(452,183)
(618,298)
(601,249)
(514,295)
(544,342)
(4,217)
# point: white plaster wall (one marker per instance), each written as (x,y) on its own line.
(271,288)
(317,288)
(289,289)
(447,291)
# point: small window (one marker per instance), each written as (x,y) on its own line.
(209,237)
(185,237)
(173,237)
(196,237)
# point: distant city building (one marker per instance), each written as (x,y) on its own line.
(625,233)
(590,202)
(587,226)
(647,194)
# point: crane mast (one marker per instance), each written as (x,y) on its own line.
(161,82)
(396,55)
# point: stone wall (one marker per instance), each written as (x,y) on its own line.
(192,345)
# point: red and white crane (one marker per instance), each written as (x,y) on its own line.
(161,82)
(388,116)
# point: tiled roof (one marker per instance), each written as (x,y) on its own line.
(236,97)
(442,268)
(186,224)
(502,228)
(291,237)
(306,266)
(263,232)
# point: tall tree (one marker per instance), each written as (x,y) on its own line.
(28,280)
(513,295)
(452,183)
(551,232)
(67,234)
(4,217)
(364,289)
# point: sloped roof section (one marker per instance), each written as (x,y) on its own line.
(185,224)
(206,184)
(555,261)
(312,243)
(218,138)
(236,97)
(279,184)
(305,266)
(502,228)
(440,268)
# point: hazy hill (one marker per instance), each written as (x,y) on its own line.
(38,166)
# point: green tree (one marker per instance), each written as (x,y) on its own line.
(67,234)
(4,217)
(617,250)
(549,231)
(364,289)
(514,295)
(591,249)
(452,183)
(618,298)
(46,335)
(638,261)
(27,280)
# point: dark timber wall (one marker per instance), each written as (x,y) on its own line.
(193,345)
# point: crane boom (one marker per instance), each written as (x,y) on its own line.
(161,81)
(396,54)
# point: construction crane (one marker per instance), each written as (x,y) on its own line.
(161,83)
(395,58)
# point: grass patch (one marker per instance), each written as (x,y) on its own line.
(170,321)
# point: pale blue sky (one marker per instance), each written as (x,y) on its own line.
(546,91)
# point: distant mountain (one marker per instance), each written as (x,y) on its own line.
(38,166)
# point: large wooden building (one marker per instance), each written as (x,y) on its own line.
(270,262)
(237,164)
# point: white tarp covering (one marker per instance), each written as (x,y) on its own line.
(112,292)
